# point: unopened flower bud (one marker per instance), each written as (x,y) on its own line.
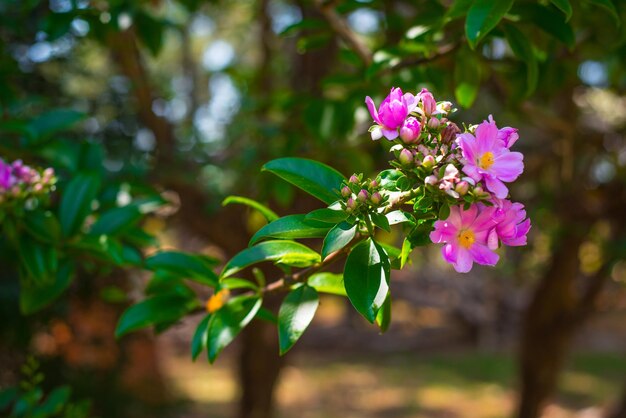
(405,157)
(353,179)
(410,131)
(362,196)
(449,133)
(433,123)
(462,187)
(428,102)
(376,198)
(373,184)
(376,133)
(429,161)
(432,180)
(345,191)
(350,205)
(445,107)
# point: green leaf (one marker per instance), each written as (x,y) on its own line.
(459,8)
(609,7)
(232,283)
(155,310)
(266,315)
(35,297)
(327,215)
(281,251)
(7,397)
(54,121)
(116,220)
(198,343)
(262,209)
(54,402)
(398,216)
(366,278)
(313,177)
(420,235)
(337,238)
(150,31)
(328,283)
(44,226)
(406,251)
(482,17)
(227,323)
(564,6)
(548,20)
(380,221)
(522,48)
(76,202)
(291,227)
(383,317)
(295,315)
(185,265)
(38,260)
(466,78)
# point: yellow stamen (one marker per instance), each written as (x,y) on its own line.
(466,238)
(486,160)
(217,300)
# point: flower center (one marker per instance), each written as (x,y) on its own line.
(486,160)
(466,238)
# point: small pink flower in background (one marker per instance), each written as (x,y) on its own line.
(513,226)
(7,179)
(410,131)
(465,234)
(488,159)
(508,135)
(392,112)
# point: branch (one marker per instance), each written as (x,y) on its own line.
(442,52)
(341,28)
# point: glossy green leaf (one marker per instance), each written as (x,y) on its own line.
(406,251)
(380,221)
(398,216)
(266,315)
(185,265)
(236,283)
(54,402)
(39,261)
(609,7)
(281,251)
(227,323)
(262,209)
(564,6)
(44,226)
(522,48)
(327,215)
(420,235)
(313,177)
(548,20)
(383,317)
(36,297)
(466,78)
(458,8)
(54,121)
(157,309)
(328,283)
(366,278)
(295,315)
(76,202)
(482,17)
(291,227)
(116,220)
(337,238)
(199,340)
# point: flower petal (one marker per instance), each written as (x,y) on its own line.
(372,108)
(464,261)
(483,255)
(495,186)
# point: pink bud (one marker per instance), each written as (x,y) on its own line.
(353,179)
(373,184)
(433,123)
(376,198)
(405,157)
(350,205)
(428,102)
(432,180)
(345,191)
(429,161)
(410,131)
(462,187)
(449,133)
(362,196)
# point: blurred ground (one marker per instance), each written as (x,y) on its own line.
(451,385)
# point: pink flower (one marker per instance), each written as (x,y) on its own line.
(487,158)
(7,180)
(465,234)
(508,135)
(392,111)
(429,105)
(512,227)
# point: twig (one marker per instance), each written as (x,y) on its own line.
(442,52)
(341,28)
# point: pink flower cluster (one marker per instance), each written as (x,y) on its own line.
(20,180)
(467,171)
